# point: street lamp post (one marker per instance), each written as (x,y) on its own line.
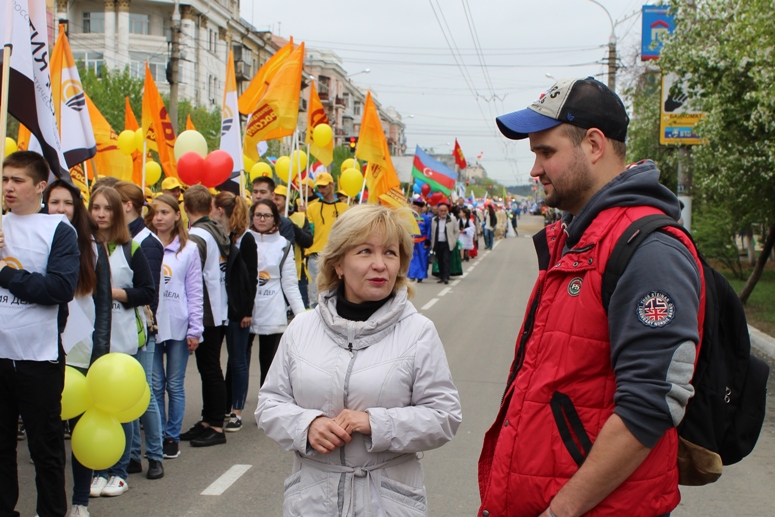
(611,49)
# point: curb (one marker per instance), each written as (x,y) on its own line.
(763,342)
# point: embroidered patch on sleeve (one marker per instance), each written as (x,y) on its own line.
(656,309)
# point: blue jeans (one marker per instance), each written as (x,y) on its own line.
(151,419)
(489,235)
(237,340)
(303,286)
(170,380)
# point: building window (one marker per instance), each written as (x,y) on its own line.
(155,65)
(357,108)
(212,41)
(324,84)
(346,98)
(93,23)
(139,24)
(89,61)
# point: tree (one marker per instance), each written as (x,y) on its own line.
(108,91)
(723,51)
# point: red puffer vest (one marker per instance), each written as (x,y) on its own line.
(561,387)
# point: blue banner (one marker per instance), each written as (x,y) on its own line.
(657,23)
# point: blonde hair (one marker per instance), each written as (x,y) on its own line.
(354,227)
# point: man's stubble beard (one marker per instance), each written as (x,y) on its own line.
(573,185)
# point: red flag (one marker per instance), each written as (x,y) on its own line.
(460,160)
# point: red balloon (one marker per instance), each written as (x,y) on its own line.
(217,168)
(435,198)
(425,189)
(190,168)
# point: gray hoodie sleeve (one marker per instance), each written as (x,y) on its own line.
(653,330)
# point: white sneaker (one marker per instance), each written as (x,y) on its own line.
(97,486)
(79,511)
(115,487)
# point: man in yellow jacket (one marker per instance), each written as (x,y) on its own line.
(303,238)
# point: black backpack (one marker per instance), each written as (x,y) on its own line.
(724,418)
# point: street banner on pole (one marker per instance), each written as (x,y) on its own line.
(23,25)
(657,23)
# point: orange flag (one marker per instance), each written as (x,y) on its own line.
(23,140)
(373,148)
(249,100)
(109,161)
(189,123)
(316,114)
(130,122)
(157,127)
(277,113)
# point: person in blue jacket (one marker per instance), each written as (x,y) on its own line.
(418,267)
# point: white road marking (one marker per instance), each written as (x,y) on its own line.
(464,274)
(444,291)
(429,304)
(228,478)
(496,243)
(453,284)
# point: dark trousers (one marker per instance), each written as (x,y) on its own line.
(82,476)
(237,369)
(267,348)
(208,362)
(442,258)
(33,389)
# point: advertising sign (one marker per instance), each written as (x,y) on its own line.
(677,119)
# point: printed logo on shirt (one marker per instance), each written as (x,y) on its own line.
(13,263)
(656,309)
(263,278)
(167,272)
(222,264)
(574,286)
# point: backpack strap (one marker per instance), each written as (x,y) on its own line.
(625,247)
(201,246)
(128,252)
(286,250)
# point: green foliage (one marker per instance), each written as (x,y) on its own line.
(760,307)
(643,132)
(108,91)
(724,50)
(714,229)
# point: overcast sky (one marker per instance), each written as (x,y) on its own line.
(413,69)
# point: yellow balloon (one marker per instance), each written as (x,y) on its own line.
(152,172)
(98,440)
(136,411)
(190,141)
(139,139)
(116,382)
(322,135)
(260,169)
(298,162)
(75,395)
(126,142)
(10,146)
(247,163)
(349,163)
(351,182)
(282,167)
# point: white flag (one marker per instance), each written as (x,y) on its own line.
(231,141)
(23,25)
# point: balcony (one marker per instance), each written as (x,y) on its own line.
(242,70)
(323,95)
(340,132)
(339,101)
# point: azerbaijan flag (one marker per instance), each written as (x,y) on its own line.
(427,170)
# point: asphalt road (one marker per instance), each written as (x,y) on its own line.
(478,317)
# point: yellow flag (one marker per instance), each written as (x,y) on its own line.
(109,160)
(23,140)
(278,111)
(373,148)
(189,123)
(249,100)
(79,180)
(130,122)
(395,198)
(316,114)
(157,127)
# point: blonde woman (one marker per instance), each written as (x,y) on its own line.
(361,384)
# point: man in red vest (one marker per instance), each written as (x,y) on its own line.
(587,425)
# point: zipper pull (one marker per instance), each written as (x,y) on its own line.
(350,348)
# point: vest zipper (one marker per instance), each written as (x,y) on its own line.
(520,357)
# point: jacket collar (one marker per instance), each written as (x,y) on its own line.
(363,334)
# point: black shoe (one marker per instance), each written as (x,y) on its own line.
(419,280)
(194,432)
(155,469)
(233,424)
(446,281)
(210,437)
(135,467)
(170,448)
(439,281)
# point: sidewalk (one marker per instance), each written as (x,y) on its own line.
(762,342)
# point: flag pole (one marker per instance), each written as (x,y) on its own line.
(4,90)
(145,153)
(306,187)
(363,187)
(94,169)
(86,176)
(290,172)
